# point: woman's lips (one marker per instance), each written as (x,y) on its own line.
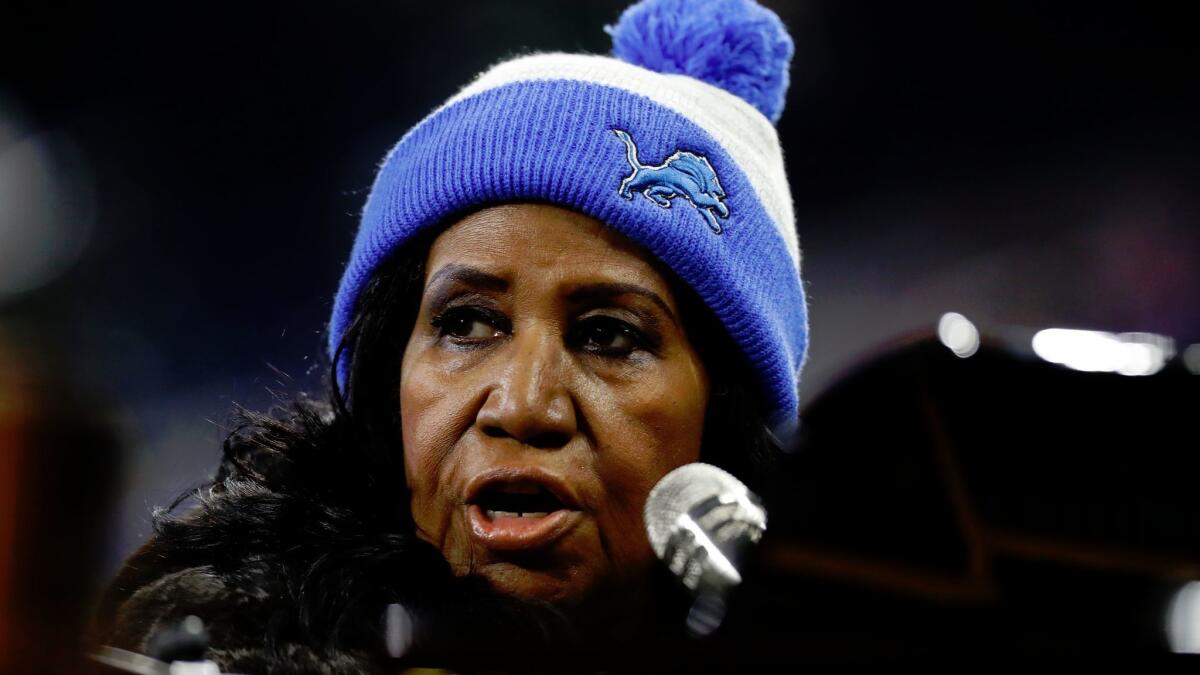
(500,531)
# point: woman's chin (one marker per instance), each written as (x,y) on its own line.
(563,587)
(589,597)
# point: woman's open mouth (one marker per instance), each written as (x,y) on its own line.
(511,512)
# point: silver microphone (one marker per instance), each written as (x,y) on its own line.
(701,521)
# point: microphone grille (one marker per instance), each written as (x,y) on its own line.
(678,492)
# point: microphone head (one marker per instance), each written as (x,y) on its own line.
(684,489)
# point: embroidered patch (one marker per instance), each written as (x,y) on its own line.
(683,174)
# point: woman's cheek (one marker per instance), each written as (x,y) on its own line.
(428,436)
(667,419)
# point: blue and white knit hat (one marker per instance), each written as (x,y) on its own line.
(671,143)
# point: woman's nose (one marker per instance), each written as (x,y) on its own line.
(530,399)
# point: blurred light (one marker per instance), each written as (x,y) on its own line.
(706,615)
(47,208)
(1095,351)
(1191,358)
(1183,620)
(193,625)
(959,334)
(398,630)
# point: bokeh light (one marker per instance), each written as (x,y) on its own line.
(1183,620)
(47,207)
(1097,351)
(958,334)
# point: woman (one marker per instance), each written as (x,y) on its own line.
(578,274)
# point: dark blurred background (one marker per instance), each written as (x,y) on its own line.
(179,184)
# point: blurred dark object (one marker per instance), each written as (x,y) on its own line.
(995,504)
(58,473)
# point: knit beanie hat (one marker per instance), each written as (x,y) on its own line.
(670,141)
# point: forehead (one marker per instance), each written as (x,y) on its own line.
(554,243)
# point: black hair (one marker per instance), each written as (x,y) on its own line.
(307,518)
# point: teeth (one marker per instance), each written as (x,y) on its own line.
(492,515)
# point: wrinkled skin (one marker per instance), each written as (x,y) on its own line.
(527,356)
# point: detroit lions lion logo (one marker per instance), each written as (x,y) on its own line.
(683,174)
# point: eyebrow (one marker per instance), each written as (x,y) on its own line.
(608,290)
(467,275)
(477,278)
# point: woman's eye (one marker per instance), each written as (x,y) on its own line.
(466,323)
(608,336)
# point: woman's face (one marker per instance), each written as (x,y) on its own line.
(546,387)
